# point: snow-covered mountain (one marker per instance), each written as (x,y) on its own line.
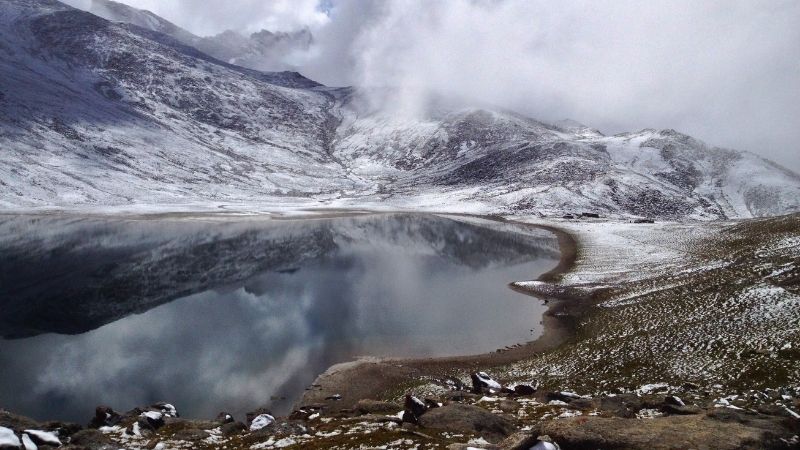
(96,113)
(262,50)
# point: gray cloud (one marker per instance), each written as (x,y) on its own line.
(725,71)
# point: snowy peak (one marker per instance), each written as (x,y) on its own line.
(120,12)
(96,114)
(263,50)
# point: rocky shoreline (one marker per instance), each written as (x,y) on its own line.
(486,414)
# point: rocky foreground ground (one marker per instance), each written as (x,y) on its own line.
(680,336)
(488,415)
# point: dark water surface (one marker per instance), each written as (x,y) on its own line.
(215,315)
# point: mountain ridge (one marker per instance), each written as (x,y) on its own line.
(103,114)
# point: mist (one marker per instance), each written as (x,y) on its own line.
(727,72)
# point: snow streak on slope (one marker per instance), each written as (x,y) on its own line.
(98,114)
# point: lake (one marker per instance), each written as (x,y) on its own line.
(232,314)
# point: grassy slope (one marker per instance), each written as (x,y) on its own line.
(710,304)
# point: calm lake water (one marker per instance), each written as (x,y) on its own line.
(215,315)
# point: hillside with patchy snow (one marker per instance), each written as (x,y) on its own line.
(99,114)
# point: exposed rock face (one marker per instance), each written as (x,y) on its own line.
(459,417)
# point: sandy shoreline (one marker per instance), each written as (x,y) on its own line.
(374,377)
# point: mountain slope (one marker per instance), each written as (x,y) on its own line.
(95,113)
(263,50)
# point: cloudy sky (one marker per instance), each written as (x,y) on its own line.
(726,71)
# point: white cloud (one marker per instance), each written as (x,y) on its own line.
(726,71)
(213,16)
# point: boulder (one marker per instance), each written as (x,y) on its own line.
(509,406)
(63,429)
(253,414)
(673,400)
(524,389)
(584,404)
(190,434)
(224,418)
(367,406)
(151,419)
(200,424)
(467,418)
(472,447)
(261,421)
(167,409)
(16,422)
(563,396)
(668,432)
(8,439)
(41,437)
(413,409)
(27,443)
(522,440)
(454,383)
(772,409)
(482,382)
(622,405)
(680,410)
(431,403)
(300,414)
(460,396)
(92,440)
(104,416)
(233,428)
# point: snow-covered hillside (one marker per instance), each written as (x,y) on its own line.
(262,50)
(97,114)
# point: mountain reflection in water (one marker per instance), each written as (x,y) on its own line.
(230,315)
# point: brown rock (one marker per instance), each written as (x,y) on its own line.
(377,407)
(190,434)
(670,432)
(468,418)
(680,410)
(413,409)
(232,428)
(92,440)
(460,396)
(224,417)
(524,389)
(509,406)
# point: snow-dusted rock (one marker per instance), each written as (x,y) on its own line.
(153,419)
(167,409)
(44,437)
(27,443)
(414,408)
(8,439)
(544,445)
(674,400)
(261,421)
(482,381)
